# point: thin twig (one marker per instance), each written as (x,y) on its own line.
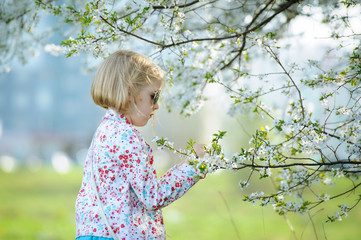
(176,5)
(230,215)
(275,57)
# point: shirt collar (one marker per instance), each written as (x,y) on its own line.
(112,114)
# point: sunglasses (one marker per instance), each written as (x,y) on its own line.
(155,97)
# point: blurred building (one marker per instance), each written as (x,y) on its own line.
(45,106)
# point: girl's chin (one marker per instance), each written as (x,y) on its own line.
(141,123)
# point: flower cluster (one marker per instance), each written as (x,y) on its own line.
(19,38)
(339,214)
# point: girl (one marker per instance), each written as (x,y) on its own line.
(120,196)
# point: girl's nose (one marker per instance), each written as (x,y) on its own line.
(156,106)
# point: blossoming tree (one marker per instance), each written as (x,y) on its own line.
(309,101)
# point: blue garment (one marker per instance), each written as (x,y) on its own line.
(92,238)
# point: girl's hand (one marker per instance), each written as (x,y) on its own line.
(199,150)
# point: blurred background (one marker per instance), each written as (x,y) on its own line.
(47,119)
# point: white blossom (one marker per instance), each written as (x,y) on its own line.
(323,197)
(54,49)
(328,181)
(344,111)
(324,102)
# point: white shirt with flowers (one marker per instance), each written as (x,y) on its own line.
(131,194)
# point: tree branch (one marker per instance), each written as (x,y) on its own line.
(282,8)
(173,44)
(275,57)
(176,5)
(131,34)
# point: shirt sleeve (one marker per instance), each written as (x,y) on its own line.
(155,193)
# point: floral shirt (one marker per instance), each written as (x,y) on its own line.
(128,187)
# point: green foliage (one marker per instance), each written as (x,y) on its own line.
(349,3)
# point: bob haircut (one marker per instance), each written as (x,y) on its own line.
(120,78)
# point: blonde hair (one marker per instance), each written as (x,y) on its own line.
(120,77)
